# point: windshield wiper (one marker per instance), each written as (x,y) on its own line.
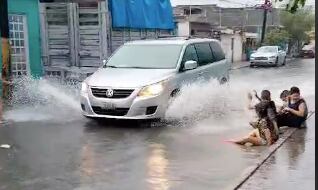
(134,67)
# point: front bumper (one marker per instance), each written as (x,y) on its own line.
(307,54)
(136,107)
(268,62)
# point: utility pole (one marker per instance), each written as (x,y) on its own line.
(6,62)
(266,6)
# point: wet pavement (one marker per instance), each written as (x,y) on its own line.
(53,147)
(291,167)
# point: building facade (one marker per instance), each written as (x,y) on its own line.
(78,35)
(240,28)
(24,33)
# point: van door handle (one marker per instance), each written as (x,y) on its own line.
(201,73)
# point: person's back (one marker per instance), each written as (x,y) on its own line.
(266,112)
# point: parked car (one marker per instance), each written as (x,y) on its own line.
(268,56)
(141,77)
(308,51)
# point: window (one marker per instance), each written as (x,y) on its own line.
(18,43)
(190,54)
(204,53)
(146,56)
(217,51)
(193,11)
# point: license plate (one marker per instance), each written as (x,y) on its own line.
(108,106)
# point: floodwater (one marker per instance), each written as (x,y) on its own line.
(54,147)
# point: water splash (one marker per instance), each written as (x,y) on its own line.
(43,99)
(213,108)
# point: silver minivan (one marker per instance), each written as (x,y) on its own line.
(140,78)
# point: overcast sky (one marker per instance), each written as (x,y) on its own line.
(228,3)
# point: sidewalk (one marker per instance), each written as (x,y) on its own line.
(290,167)
(242,64)
(259,161)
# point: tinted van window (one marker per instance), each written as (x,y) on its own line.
(217,51)
(204,53)
(189,54)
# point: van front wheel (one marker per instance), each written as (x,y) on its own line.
(223,81)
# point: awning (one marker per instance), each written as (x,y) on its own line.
(152,14)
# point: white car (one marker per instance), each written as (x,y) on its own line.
(268,56)
(140,78)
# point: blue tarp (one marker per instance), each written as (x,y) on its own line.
(152,14)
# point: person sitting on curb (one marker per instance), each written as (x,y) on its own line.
(284,96)
(272,111)
(266,130)
(295,114)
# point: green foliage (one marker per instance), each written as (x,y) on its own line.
(298,24)
(293,5)
(277,37)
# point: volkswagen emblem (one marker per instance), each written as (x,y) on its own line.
(109,93)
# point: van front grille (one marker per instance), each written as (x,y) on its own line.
(117,93)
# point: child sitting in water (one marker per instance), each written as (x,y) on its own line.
(284,96)
(266,130)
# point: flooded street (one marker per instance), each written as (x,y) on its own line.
(54,147)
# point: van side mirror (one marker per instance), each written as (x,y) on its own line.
(104,62)
(190,65)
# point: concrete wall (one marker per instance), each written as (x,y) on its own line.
(232,17)
(183,29)
(236,52)
(31,10)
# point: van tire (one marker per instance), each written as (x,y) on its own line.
(175,93)
(223,80)
(276,62)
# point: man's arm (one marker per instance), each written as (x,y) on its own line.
(249,103)
(6,82)
(300,112)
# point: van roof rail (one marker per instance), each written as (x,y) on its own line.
(176,37)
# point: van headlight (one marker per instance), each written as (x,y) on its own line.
(84,88)
(272,57)
(152,90)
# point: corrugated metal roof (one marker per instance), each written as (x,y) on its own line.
(232,3)
(220,3)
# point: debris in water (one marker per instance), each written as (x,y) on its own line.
(5,146)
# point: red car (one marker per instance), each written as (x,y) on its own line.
(308,51)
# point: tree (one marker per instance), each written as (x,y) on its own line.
(297,25)
(277,37)
(293,5)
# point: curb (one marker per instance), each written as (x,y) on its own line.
(247,64)
(247,173)
(239,67)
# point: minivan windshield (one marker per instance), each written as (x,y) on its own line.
(146,56)
(267,49)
